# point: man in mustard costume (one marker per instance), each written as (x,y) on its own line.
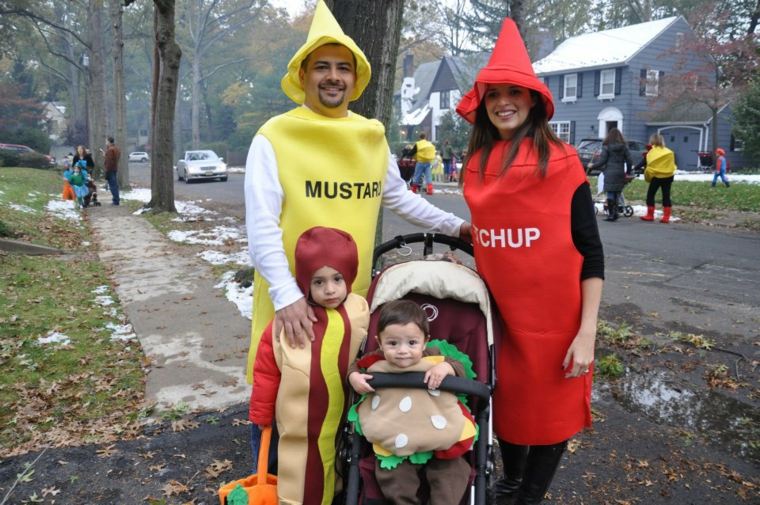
(320,165)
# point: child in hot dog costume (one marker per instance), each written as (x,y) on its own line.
(414,431)
(536,244)
(303,388)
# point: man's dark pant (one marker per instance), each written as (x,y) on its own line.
(113,186)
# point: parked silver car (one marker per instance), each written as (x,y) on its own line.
(203,164)
(139,156)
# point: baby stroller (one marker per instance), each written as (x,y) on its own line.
(622,208)
(460,311)
(406,164)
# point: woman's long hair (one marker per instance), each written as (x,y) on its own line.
(484,134)
(614,136)
(657,140)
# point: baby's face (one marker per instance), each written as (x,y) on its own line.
(402,344)
(328,287)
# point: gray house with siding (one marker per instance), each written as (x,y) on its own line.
(612,78)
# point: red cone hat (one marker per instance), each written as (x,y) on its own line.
(509,64)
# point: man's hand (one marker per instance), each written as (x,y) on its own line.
(358,381)
(465,232)
(297,320)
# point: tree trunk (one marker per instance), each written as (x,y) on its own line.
(196,101)
(162,173)
(118,92)
(516,13)
(376,28)
(97,109)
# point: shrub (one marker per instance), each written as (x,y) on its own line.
(32,137)
(9,158)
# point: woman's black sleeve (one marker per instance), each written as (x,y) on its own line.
(586,233)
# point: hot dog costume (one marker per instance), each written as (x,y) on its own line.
(524,250)
(304,388)
(324,171)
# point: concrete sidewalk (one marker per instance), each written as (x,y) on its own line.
(196,340)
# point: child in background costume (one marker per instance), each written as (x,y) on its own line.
(720,166)
(660,163)
(304,388)
(78,181)
(413,431)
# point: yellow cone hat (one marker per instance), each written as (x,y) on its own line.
(324,30)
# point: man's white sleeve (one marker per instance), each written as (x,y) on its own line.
(263,205)
(414,208)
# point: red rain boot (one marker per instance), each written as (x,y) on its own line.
(665,215)
(415,188)
(429,189)
(650,214)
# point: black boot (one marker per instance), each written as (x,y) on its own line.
(611,210)
(513,458)
(542,463)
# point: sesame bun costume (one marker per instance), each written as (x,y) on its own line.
(411,429)
(304,388)
(524,251)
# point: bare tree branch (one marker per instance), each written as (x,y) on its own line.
(31,15)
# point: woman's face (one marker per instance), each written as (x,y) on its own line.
(508,106)
(80,150)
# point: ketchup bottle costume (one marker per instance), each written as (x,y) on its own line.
(523,247)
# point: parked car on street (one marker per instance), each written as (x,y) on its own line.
(23,150)
(591,149)
(205,164)
(139,156)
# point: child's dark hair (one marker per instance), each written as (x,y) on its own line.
(403,312)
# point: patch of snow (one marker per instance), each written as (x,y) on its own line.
(708,177)
(241,297)
(104,300)
(121,332)
(100,289)
(22,208)
(215,236)
(54,338)
(139,194)
(219,258)
(64,209)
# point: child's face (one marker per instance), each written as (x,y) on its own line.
(77,169)
(328,287)
(508,106)
(402,344)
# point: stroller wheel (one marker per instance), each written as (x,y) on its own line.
(627,211)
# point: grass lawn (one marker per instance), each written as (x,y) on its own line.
(89,388)
(742,197)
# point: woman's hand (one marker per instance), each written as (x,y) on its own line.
(358,381)
(580,354)
(435,375)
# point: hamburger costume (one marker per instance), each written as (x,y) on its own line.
(303,388)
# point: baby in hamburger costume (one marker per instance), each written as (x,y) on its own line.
(414,432)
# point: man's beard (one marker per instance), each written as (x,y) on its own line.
(330,102)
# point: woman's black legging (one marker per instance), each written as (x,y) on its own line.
(656,184)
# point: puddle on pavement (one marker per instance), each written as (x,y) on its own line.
(656,395)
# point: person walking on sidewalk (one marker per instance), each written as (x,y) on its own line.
(660,171)
(320,165)
(111,165)
(719,167)
(424,153)
(534,232)
(447,155)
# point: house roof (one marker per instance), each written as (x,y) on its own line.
(465,68)
(423,79)
(683,113)
(600,49)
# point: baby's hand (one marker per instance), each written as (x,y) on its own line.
(435,375)
(358,381)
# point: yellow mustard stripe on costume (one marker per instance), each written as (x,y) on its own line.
(331,345)
(332,173)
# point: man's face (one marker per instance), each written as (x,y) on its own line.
(328,80)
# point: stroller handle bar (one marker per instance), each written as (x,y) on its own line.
(416,380)
(400,241)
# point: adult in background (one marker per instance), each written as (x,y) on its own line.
(660,170)
(424,153)
(616,160)
(447,154)
(719,167)
(320,165)
(534,232)
(82,153)
(111,165)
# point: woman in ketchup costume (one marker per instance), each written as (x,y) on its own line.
(537,246)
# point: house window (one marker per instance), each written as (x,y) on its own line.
(679,40)
(737,144)
(607,84)
(445,100)
(571,88)
(653,82)
(561,129)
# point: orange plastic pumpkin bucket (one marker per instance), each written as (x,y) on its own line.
(260,487)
